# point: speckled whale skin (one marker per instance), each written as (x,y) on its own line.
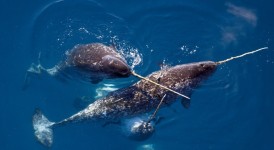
(143,96)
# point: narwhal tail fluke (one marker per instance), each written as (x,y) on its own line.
(38,71)
(35,70)
(42,128)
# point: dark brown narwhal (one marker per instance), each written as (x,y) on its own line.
(89,62)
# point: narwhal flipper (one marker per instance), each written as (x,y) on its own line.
(185,102)
(95,80)
(42,128)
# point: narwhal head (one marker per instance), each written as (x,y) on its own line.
(198,69)
(141,130)
(115,66)
(188,76)
(202,69)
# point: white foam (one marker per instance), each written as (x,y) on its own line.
(188,50)
(132,55)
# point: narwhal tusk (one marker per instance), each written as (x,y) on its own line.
(242,55)
(156,110)
(139,76)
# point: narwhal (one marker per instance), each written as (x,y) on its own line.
(137,99)
(88,62)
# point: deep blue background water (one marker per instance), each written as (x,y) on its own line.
(231,110)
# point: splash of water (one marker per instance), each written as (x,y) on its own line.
(189,50)
(130,53)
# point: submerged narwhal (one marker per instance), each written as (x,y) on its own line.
(137,99)
(90,62)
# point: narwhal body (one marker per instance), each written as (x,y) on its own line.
(143,96)
(139,98)
(88,62)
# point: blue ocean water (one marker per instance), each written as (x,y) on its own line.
(233,109)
